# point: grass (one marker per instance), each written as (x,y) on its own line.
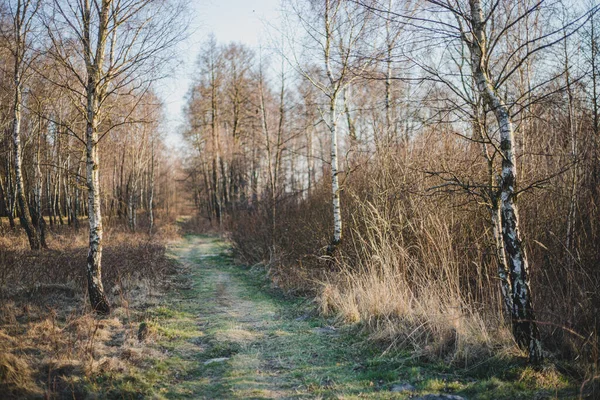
(227,333)
(51,345)
(222,331)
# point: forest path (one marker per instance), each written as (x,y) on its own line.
(224,333)
(229,336)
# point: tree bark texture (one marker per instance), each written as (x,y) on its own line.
(525,329)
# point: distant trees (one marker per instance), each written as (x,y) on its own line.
(240,130)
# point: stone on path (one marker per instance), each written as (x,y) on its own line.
(403,388)
(330,330)
(216,360)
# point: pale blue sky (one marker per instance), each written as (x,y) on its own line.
(229,20)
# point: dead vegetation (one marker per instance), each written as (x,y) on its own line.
(417,270)
(51,345)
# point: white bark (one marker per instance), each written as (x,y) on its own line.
(151,196)
(21,21)
(94,259)
(335,185)
(24,215)
(39,222)
(10,193)
(523,320)
(503,274)
(335,84)
(94,66)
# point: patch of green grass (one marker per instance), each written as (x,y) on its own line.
(271,348)
(165,312)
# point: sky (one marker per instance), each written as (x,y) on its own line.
(244,21)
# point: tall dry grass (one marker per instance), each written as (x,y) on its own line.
(407,287)
(51,343)
(414,271)
(417,267)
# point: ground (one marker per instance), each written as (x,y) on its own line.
(211,328)
(225,333)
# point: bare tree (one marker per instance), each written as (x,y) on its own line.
(525,329)
(336,31)
(119,47)
(21,14)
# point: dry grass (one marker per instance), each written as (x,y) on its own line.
(16,376)
(405,287)
(50,344)
(399,275)
(126,257)
(417,267)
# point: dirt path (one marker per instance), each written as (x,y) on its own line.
(229,336)
(224,334)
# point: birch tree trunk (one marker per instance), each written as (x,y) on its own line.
(67,190)
(338,39)
(335,185)
(38,216)
(130,200)
(21,21)
(76,202)
(479,127)
(216,162)
(49,201)
(98,299)
(132,186)
(94,66)
(24,215)
(503,274)
(334,85)
(59,210)
(525,329)
(10,194)
(151,190)
(4,208)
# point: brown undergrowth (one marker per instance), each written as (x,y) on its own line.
(417,268)
(51,345)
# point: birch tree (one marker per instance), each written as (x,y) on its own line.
(524,326)
(496,61)
(491,75)
(6,181)
(119,46)
(21,14)
(335,30)
(488,85)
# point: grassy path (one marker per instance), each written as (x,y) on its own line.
(226,335)
(231,338)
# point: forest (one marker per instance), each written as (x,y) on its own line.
(414,182)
